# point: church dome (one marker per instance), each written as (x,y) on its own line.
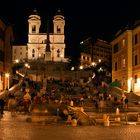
(58,15)
(34,15)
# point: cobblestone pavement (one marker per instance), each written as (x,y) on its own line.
(16,128)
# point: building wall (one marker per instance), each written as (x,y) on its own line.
(20,52)
(2,28)
(6,39)
(37,41)
(126,61)
(122,59)
(95,50)
(136,61)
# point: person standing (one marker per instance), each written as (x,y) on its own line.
(126,103)
(101,105)
(27,101)
(12,103)
(2,103)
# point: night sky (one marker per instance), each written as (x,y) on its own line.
(83,18)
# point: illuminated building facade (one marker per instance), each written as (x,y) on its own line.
(126,57)
(6,39)
(37,42)
(94,50)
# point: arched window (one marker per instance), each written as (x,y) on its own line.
(58,29)
(58,53)
(33,29)
(33,53)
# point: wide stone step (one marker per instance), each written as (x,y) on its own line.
(45,119)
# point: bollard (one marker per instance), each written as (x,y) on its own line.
(117,111)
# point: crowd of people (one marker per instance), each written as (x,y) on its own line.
(62,93)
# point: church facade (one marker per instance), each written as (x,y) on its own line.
(41,44)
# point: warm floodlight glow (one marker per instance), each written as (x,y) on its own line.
(130,86)
(26,64)
(81,67)
(7,75)
(137,85)
(100,69)
(7,80)
(93,64)
(72,68)
(99,60)
(17,61)
(39,55)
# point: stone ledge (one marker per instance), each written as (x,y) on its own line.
(46,119)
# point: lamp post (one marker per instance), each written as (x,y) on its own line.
(131,80)
(16,65)
(27,66)
(73,69)
(7,81)
(81,67)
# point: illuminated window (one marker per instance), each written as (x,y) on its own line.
(58,53)
(123,63)
(33,29)
(123,42)
(33,53)
(58,29)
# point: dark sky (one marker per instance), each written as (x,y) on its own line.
(84,18)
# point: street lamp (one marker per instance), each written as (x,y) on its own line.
(17,61)
(99,60)
(81,67)
(131,80)
(93,64)
(73,69)
(7,81)
(27,66)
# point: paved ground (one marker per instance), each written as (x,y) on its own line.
(16,128)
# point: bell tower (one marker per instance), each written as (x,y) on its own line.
(34,23)
(59,36)
(59,23)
